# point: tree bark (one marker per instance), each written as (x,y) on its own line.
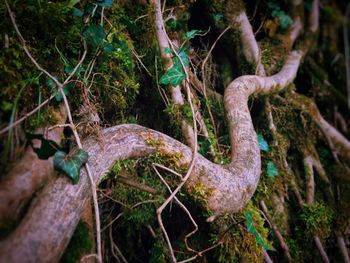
(28,175)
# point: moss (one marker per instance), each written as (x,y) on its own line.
(237,244)
(316,219)
(201,193)
(78,245)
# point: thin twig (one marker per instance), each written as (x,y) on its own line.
(204,81)
(159,18)
(183,207)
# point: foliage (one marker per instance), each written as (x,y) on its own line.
(47,147)
(272,170)
(176,74)
(70,164)
(238,243)
(276,12)
(317,219)
(263,145)
(251,229)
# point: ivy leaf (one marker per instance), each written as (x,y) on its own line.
(47,148)
(54,88)
(272,170)
(107,47)
(263,145)
(73,3)
(183,56)
(251,229)
(69,69)
(285,21)
(191,34)
(174,76)
(70,166)
(77,12)
(167,50)
(172,23)
(94,34)
(217,17)
(108,3)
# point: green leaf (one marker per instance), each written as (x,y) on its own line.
(263,145)
(251,229)
(69,69)
(174,76)
(94,34)
(272,170)
(172,23)
(77,12)
(73,3)
(191,34)
(217,17)
(47,148)
(54,88)
(285,21)
(108,3)
(107,47)
(183,56)
(167,50)
(70,166)
(273,5)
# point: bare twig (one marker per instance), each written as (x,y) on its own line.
(204,80)
(186,211)
(278,234)
(343,248)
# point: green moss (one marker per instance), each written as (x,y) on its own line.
(316,219)
(237,243)
(79,244)
(201,193)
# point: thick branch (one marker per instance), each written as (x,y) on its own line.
(28,174)
(53,216)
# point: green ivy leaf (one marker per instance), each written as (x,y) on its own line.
(183,56)
(73,3)
(54,88)
(108,3)
(172,23)
(263,145)
(251,229)
(70,166)
(217,17)
(191,34)
(285,21)
(47,148)
(272,170)
(77,12)
(94,34)
(167,50)
(174,76)
(107,47)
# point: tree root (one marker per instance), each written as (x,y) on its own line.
(28,174)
